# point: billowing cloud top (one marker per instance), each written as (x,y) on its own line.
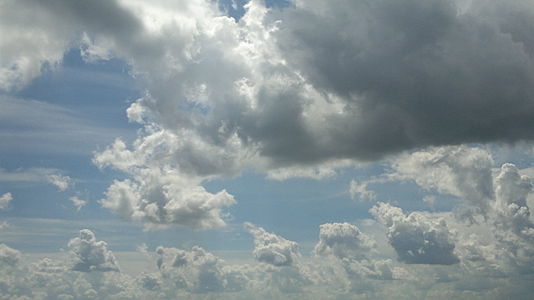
(88,254)
(417,238)
(343,240)
(271,248)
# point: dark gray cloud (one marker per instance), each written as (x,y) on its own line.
(415,73)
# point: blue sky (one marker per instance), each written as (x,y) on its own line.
(336,150)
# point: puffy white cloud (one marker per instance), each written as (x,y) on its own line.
(343,240)
(511,190)
(62,182)
(160,198)
(88,254)
(416,237)
(197,271)
(271,248)
(4,200)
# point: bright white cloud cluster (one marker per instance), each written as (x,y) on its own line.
(417,238)
(343,240)
(88,254)
(271,248)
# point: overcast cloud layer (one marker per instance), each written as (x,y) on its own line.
(299,90)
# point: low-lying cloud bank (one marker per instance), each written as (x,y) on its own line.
(438,255)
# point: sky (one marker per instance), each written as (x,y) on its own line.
(281,149)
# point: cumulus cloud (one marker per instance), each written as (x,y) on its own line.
(305,84)
(62,182)
(88,254)
(4,200)
(160,198)
(343,240)
(511,207)
(416,237)
(290,91)
(271,248)
(198,270)
(402,61)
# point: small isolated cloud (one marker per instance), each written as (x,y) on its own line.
(88,254)
(417,238)
(79,203)
(61,181)
(52,176)
(4,200)
(197,271)
(271,248)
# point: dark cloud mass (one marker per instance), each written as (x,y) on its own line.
(416,73)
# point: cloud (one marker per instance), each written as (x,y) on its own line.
(52,176)
(62,182)
(77,202)
(401,62)
(8,256)
(343,240)
(416,237)
(288,92)
(271,248)
(307,84)
(4,200)
(360,191)
(159,198)
(88,254)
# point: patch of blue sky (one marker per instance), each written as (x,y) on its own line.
(235,8)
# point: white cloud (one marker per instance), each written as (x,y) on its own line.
(4,200)
(416,237)
(62,182)
(77,202)
(52,176)
(88,254)
(343,240)
(197,271)
(160,198)
(271,248)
